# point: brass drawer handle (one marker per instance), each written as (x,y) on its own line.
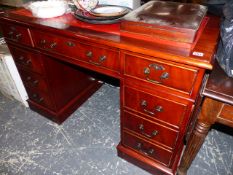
(145,151)
(53,45)
(37,98)
(43,41)
(156,67)
(21,58)
(101,60)
(153,134)
(34,82)
(70,44)
(164,75)
(89,54)
(18,36)
(156,109)
(27,62)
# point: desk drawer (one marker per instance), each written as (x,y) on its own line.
(155,107)
(33,80)
(147,149)
(16,33)
(226,115)
(150,130)
(159,72)
(27,59)
(40,98)
(97,55)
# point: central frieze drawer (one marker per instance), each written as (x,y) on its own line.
(27,59)
(97,55)
(147,149)
(158,72)
(156,107)
(150,130)
(17,33)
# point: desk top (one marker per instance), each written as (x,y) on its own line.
(201,55)
(219,86)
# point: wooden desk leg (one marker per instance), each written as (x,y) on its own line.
(209,112)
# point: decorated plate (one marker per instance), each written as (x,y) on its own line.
(109,10)
(86,4)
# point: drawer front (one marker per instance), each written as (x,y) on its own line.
(155,107)
(162,73)
(95,55)
(33,80)
(40,98)
(147,149)
(27,59)
(17,34)
(150,130)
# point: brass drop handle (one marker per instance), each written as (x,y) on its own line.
(144,105)
(159,108)
(153,134)
(18,36)
(89,54)
(28,62)
(156,67)
(53,45)
(37,98)
(101,60)
(34,82)
(145,151)
(21,58)
(43,41)
(70,44)
(156,109)
(164,75)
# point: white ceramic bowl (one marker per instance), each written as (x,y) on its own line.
(48,9)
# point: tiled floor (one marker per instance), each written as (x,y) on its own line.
(85,143)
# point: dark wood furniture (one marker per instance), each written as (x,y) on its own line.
(217,107)
(159,83)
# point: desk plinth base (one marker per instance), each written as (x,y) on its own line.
(143,162)
(62,114)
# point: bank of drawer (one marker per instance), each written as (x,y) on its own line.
(147,149)
(158,72)
(158,108)
(18,34)
(40,98)
(33,80)
(27,59)
(150,130)
(93,54)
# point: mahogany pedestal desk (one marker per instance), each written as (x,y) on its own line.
(217,107)
(60,61)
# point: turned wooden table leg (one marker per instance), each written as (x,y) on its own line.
(209,112)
